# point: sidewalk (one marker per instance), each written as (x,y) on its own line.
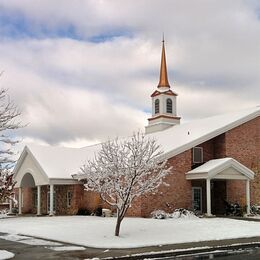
(24,252)
(180,249)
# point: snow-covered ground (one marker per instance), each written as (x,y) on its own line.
(6,255)
(135,232)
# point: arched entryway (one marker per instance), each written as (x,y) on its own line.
(34,196)
(28,197)
(27,181)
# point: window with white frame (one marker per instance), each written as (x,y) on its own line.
(157,106)
(197,198)
(197,155)
(69,198)
(169,105)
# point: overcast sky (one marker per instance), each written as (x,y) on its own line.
(83,70)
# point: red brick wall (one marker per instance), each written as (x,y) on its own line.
(27,200)
(214,148)
(242,144)
(90,201)
(208,150)
(220,146)
(177,194)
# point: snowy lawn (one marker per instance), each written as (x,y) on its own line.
(5,255)
(135,232)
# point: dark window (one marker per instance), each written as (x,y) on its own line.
(169,105)
(69,198)
(157,106)
(197,155)
(197,198)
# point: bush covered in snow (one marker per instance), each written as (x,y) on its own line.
(159,214)
(182,213)
(3,213)
(255,210)
(178,213)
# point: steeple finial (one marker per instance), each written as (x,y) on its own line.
(163,71)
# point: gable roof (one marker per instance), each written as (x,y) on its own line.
(61,162)
(212,168)
(58,162)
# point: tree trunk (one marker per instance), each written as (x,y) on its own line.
(118,223)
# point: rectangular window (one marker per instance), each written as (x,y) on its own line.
(69,198)
(197,198)
(197,155)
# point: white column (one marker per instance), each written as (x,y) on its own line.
(51,199)
(38,200)
(20,201)
(248,197)
(208,197)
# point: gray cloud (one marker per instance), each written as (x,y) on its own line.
(74,90)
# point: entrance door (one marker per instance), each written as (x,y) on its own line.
(54,202)
(218,196)
(197,199)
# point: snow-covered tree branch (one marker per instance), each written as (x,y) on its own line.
(123,170)
(8,122)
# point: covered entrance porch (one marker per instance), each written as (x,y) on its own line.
(209,184)
(41,193)
(46,199)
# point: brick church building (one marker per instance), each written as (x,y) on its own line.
(214,159)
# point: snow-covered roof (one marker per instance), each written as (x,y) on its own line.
(61,162)
(179,138)
(224,168)
(58,162)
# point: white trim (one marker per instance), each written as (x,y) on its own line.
(248,197)
(38,200)
(21,159)
(56,181)
(213,168)
(51,198)
(208,197)
(20,200)
(27,152)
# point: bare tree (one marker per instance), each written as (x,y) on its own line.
(124,170)
(8,122)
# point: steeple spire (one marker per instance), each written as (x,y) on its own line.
(163,71)
(164,102)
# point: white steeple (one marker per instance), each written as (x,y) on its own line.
(164,112)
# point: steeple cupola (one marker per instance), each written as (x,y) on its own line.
(164,113)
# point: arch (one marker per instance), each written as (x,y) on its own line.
(157,106)
(27,181)
(169,105)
